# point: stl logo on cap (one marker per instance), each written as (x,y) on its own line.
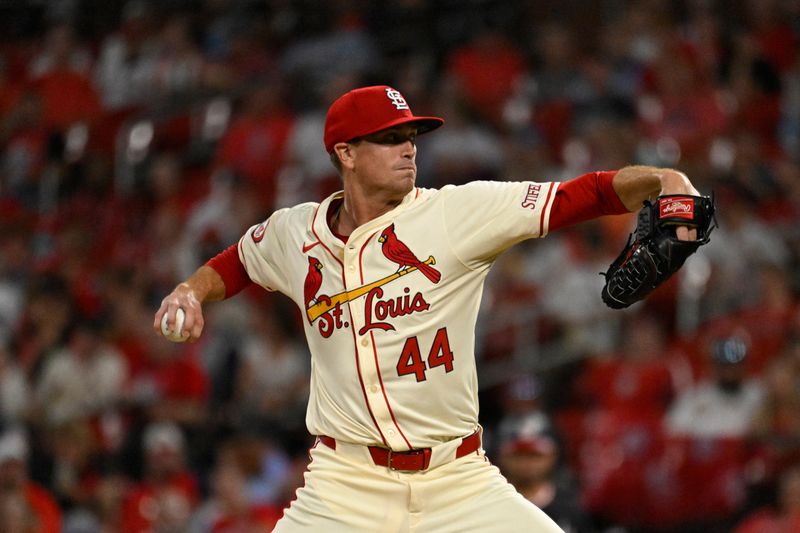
(366,110)
(396,98)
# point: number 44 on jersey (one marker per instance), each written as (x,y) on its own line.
(411,361)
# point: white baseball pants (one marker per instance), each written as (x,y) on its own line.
(345,492)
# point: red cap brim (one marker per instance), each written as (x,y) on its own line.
(424,125)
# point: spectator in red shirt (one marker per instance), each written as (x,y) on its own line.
(486,70)
(10,90)
(24,505)
(771,31)
(255,145)
(67,98)
(640,380)
(172,385)
(679,105)
(60,72)
(165,498)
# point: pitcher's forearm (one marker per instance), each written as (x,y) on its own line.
(635,184)
(206,284)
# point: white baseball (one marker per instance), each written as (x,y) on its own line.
(178,335)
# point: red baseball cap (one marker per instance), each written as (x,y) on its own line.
(369,109)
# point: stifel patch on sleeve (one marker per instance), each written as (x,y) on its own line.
(676,207)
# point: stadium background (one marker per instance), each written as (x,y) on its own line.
(137,139)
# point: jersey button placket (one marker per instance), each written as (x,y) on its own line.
(350,259)
(364,349)
(352,281)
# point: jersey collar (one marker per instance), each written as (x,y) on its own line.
(319,224)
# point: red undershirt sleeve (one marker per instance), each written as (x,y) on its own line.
(583,198)
(230,269)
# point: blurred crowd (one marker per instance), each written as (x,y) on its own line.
(139,138)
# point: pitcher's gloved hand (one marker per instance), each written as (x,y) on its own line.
(654,252)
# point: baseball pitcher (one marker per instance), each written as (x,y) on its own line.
(389,277)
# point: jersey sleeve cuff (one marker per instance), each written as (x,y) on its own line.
(605,181)
(230,268)
(586,197)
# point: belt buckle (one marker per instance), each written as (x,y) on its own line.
(424,452)
(390,463)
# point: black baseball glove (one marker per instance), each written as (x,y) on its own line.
(653,252)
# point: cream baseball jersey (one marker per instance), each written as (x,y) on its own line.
(390,314)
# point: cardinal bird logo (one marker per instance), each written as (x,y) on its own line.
(395,250)
(313,281)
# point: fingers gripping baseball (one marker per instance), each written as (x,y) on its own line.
(180,317)
(175,333)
